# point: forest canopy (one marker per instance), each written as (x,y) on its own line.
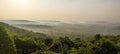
(13,43)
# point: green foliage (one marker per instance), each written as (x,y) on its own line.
(79,44)
(43,52)
(104,47)
(6,42)
(118,46)
(22,32)
(97,37)
(73,51)
(26,46)
(62,45)
(81,50)
(48,41)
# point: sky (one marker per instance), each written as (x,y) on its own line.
(68,10)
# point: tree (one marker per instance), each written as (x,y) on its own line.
(6,42)
(97,37)
(26,45)
(62,45)
(48,41)
(104,47)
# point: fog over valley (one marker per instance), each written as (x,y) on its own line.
(56,28)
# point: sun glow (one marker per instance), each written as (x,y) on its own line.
(22,2)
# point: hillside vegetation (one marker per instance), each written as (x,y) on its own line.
(16,41)
(7,45)
(22,32)
(71,29)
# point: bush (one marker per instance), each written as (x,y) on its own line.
(62,45)
(43,52)
(26,45)
(104,47)
(48,41)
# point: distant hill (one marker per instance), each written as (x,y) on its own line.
(61,28)
(22,32)
(33,26)
(17,21)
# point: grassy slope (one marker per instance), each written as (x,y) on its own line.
(22,32)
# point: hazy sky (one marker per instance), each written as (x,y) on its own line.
(76,10)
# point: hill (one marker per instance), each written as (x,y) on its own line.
(71,29)
(22,32)
(6,42)
(98,44)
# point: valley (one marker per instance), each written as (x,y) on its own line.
(61,29)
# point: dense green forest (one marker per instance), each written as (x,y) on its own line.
(19,41)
